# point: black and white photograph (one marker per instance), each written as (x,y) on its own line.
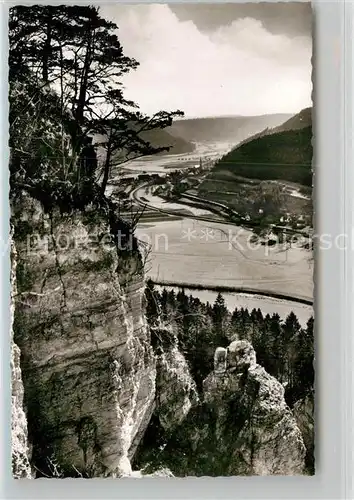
(161,196)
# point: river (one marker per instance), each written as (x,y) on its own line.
(160,164)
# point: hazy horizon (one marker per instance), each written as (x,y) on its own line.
(233,116)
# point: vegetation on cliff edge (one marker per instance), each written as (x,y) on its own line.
(65,69)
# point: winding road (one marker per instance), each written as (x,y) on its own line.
(144,203)
(201,203)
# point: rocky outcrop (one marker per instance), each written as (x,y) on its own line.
(103,391)
(158,473)
(304,414)
(268,440)
(176,397)
(243,426)
(88,365)
(20,449)
(19,441)
(176,390)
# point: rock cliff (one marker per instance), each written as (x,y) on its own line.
(304,415)
(20,449)
(268,441)
(104,391)
(176,391)
(242,427)
(88,366)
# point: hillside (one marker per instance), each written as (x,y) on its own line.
(157,138)
(224,129)
(284,152)
(160,138)
(285,155)
(298,121)
(111,376)
(244,178)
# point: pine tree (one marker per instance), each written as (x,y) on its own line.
(276,348)
(76,53)
(219,309)
(164,302)
(236,331)
(291,327)
(152,302)
(172,299)
(304,362)
(246,324)
(220,319)
(255,322)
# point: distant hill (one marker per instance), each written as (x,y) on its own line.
(157,138)
(284,153)
(162,137)
(231,129)
(298,121)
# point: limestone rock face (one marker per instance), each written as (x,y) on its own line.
(243,426)
(240,356)
(102,391)
(304,414)
(88,365)
(220,357)
(176,391)
(268,439)
(20,449)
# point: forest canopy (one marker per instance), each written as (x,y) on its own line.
(283,347)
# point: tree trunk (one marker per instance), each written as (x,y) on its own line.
(106,168)
(79,115)
(47,50)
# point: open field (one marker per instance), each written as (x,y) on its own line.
(212,253)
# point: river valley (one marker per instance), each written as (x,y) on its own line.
(211,254)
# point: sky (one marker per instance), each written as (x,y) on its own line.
(216,60)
